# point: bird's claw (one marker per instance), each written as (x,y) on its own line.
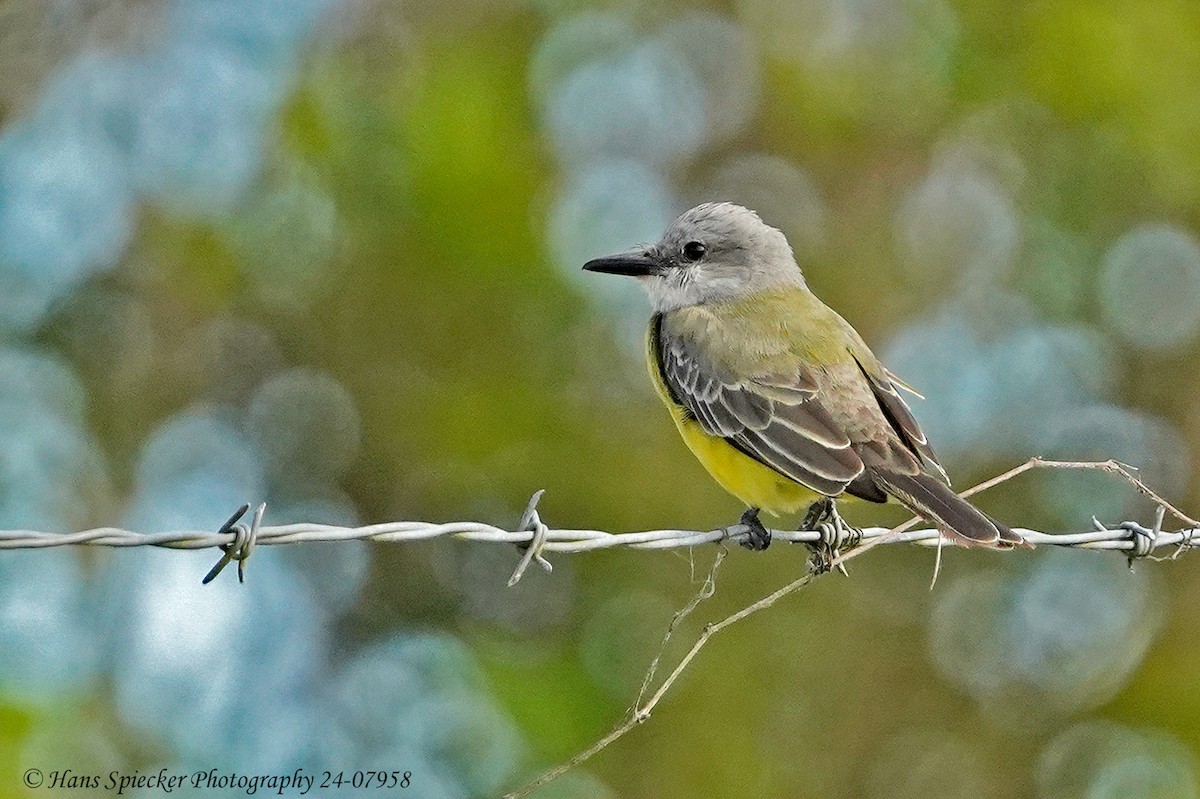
(818,512)
(758,537)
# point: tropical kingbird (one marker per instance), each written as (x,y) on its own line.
(774,392)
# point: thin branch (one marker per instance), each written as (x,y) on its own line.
(707,589)
(1123,470)
(637,713)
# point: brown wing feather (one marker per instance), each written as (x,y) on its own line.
(776,419)
(897,412)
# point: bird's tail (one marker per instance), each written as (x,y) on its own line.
(958,519)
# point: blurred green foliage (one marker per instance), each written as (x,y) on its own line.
(483,372)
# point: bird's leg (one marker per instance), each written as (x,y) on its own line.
(759,537)
(818,512)
(823,517)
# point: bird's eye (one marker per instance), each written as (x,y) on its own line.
(694,250)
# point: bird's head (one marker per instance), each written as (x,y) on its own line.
(714,252)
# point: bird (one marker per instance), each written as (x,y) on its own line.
(777,395)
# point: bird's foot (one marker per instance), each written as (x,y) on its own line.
(818,512)
(758,537)
(836,532)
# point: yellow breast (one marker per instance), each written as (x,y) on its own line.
(747,479)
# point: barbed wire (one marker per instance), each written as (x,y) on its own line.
(237,539)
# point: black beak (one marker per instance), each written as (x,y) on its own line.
(635,264)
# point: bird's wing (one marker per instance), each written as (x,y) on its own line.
(776,419)
(895,409)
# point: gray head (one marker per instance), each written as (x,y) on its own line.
(714,252)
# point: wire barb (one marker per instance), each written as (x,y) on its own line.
(1143,540)
(239,549)
(531,522)
(835,536)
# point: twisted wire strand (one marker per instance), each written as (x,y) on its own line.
(537,539)
(565,541)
